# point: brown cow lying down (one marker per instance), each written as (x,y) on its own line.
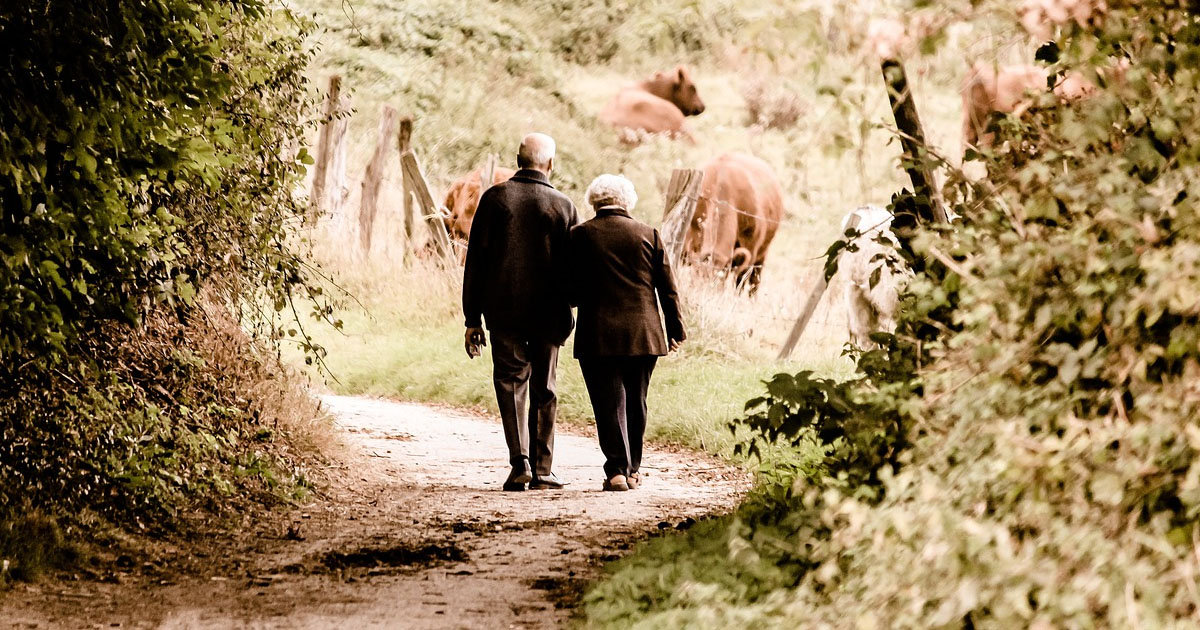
(462,198)
(988,90)
(656,106)
(871,308)
(737,215)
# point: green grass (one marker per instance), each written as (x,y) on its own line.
(690,399)
(411,349)
(681,582)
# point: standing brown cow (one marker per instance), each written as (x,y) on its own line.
(737,215)
(657,105)
(462,198)
(989,90)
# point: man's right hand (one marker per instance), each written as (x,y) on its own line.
(474,340)
(673,345)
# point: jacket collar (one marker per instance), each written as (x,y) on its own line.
(533,175)
(608,211)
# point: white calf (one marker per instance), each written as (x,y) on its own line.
(871,308)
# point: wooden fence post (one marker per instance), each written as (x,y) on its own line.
(812,300)
(374,175)
(316,196)
(408,207)
(682,195)
(337,190)
(417,188)
(487,175)
(912,139)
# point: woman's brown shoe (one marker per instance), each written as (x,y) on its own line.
(616,483)
(634,480)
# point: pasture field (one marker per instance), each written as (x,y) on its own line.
(477,76)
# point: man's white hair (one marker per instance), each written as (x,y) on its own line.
(537,149)
(611,190)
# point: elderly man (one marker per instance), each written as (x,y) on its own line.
(515,279)
(620,276)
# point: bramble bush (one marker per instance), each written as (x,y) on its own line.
(143,155)
(148,154)
(1033,464)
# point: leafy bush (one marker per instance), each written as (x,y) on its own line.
(142,161)
(1045,471)
(30,544)
(588,36)
(684,28)
(161,418)
(772,107)
(856,419)
(148,153)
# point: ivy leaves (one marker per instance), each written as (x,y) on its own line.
(1037,409)
(147,163)
(134,134)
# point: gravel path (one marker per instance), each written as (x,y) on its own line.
(411,531)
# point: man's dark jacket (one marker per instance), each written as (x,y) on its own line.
(515,275)
(618,265)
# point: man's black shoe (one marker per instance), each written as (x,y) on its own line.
(518,477)
(549,482)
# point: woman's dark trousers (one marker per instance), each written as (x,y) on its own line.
(617,387)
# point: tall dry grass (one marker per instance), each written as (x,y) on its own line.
(276,394)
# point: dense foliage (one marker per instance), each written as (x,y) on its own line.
(148,153)
(1047,475)
(143,154)
(856,420)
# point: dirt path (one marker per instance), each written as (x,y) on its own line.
(412,532)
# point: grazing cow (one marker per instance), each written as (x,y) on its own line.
(1042,17)
(657,105)
(737,215)
(988,90)
(871,307)
(463,197)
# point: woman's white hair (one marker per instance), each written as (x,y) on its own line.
(611,190)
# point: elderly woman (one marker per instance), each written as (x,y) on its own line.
(618,267)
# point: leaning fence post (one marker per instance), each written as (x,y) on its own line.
(912,139)
(813,299)
(374,175)
(682,195)
(417,187)
(408,207)
(487,175)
